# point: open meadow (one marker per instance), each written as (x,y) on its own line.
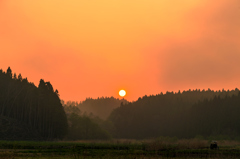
(119,149)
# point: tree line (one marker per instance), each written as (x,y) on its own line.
(184,115)
(37,110)
(37,107)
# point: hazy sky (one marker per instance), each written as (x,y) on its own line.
(94,48)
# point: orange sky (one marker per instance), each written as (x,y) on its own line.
(95,48)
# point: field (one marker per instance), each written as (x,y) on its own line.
(119,149)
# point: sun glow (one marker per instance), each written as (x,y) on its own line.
(122,93)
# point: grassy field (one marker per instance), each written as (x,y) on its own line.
(119,149)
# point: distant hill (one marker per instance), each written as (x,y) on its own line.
(87,119)
(101,107)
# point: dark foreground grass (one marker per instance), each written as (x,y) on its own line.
(117,149)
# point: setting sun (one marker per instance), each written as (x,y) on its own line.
(122,93)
